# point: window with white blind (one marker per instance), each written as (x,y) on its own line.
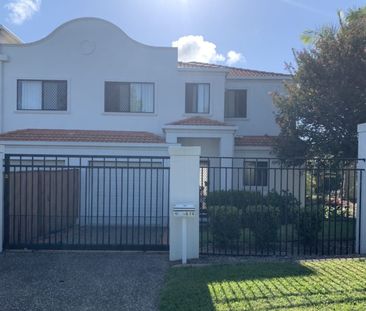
(128,97)
(197,98)
(42,95)
(235,103)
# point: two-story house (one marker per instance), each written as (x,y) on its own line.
(89,88)
(86,118)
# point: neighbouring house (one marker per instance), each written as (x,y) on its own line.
(89,89)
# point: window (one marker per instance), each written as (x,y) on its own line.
(197,98)
(236,104)
(256,173)
(41,95)
(128,97)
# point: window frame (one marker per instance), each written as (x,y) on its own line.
(18,105)
(246,104)
(209,98)
(129,98)
(254,171)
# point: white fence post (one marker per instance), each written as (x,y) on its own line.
(184,188)
(361,193)
(2,154)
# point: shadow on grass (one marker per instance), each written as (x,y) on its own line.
(264,286)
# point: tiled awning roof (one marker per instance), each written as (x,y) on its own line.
(199,121)
(234,72)
(55,135)
(255,140)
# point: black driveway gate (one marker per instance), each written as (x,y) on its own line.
(267,206)
(86,202)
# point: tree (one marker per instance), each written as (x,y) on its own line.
(326,98)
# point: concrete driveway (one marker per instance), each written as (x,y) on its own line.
(81,280)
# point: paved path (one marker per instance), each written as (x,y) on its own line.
(81,280)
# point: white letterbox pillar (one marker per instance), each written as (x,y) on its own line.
(184,202)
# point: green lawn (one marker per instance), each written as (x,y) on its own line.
(334,284)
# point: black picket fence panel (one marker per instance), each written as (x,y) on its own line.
(86,202)
(272,207)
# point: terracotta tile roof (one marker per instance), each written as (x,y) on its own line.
(255,140)
(199,121)
(235,72)
(81,136)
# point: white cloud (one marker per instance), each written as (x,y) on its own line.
(196,48)
(22,10)
(233,57)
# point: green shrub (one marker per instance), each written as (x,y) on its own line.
(235,198)
(309,225)
(225,224)
(264,224)
(286,202)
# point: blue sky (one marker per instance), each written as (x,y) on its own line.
(257,34)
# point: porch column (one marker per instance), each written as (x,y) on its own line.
(227,152)
(184,188)
(361,191)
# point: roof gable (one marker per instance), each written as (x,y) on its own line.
(8,37)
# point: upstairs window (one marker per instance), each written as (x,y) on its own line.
(235,104)
(256,173)
(128,97)
(42,95)
(197,98)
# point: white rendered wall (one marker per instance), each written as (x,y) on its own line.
(217,93)
(210,147)
(87,52)
(260,107)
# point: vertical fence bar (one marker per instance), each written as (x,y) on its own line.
(139,202)
(341,214)
(20,201)
(116,201)
(127,199)
(109,202)
(7,181)
(104,203)
(151,201)
(324,207)
(121,208)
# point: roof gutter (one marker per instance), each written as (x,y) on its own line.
(219,128)
(92,144)
(203,69)
(3,58)
(283,78)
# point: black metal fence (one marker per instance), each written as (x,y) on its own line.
(86,202)
(265,206)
